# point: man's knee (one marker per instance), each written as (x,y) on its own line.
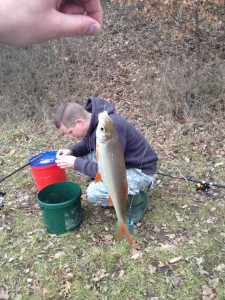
(91,195)
(96,193)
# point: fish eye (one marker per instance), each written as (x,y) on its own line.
(102,128)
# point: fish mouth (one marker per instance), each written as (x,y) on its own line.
(103,117)
(104,113)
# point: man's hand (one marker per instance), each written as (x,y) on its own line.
(66,161)
(63,152)
(24,22)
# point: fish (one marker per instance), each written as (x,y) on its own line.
(112,171)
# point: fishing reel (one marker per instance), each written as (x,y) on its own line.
(2,194)
(203,186)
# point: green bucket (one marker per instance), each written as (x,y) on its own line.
(60,204)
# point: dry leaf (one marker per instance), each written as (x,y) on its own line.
(36,285)
(59,254)
(175,281)
(162,264)
(137,255)
(11,259)
(13,151)
(151,269)
(106,228)
(84,197)
(45,291)
(207,291)
(220,267)
(99,275)
(179,218)
(202,271)
(136,246)
(175,259)
(168,247)
(66,288)
(214,282)
(108,239)
(171,236)
(219,164)
(121,273)
(87,286)
(68,277)
(199,260)
(3,293)
(65,269)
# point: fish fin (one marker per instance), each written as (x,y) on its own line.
(97,154)
(110,200)
(98,177)
(123,229)
(126,189)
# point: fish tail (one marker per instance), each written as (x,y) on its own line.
(123,229)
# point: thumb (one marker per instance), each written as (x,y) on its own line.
(73,25)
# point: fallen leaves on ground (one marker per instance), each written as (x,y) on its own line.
(3,293)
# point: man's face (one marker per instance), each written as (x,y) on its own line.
(79,130)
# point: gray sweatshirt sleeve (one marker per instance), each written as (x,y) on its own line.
(87,167)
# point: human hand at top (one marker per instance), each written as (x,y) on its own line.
(24,22)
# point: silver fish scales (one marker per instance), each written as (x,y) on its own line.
(112,171)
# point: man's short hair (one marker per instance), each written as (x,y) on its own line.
(67,113)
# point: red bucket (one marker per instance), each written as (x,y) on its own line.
(45,171)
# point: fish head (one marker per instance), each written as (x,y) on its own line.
(105,130)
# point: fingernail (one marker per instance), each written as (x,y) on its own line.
(93,29)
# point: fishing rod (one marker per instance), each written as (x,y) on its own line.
(2,194)
(17,170)
(201,185)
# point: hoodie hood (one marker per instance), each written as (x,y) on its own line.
(96,106)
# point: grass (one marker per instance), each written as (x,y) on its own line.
(181,224)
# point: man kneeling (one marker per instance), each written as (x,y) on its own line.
(140,159)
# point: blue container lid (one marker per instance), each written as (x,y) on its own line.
(46,158)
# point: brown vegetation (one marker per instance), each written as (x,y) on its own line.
(131,63)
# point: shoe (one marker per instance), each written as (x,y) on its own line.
(139,204)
